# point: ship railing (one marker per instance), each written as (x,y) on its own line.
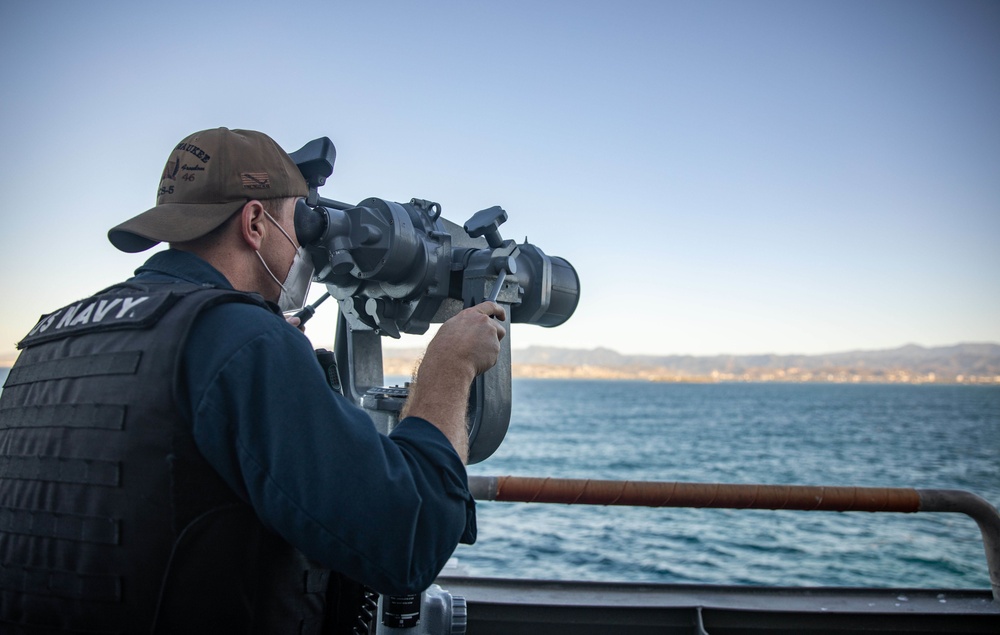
(746,496)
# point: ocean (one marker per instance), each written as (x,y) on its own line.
(926,436)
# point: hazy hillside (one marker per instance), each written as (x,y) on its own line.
(969,363)
(969,359)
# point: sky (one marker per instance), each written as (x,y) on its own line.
(726,177)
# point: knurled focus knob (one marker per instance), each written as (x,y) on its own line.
(459,615)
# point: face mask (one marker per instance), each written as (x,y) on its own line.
(296,286)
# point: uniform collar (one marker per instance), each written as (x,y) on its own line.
(173,264)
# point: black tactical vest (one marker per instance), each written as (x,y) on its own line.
(110,519)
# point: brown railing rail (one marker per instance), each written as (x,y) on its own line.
(730,496)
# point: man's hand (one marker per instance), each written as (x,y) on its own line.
(465,346)
(296,322)
(472,337)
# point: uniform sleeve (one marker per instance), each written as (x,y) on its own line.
(386,511)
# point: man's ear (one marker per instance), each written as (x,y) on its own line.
(252,224)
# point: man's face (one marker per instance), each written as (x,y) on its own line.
(279,245)
(286,219)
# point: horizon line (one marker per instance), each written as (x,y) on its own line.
(8,359)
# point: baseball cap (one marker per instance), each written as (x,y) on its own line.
(209,176)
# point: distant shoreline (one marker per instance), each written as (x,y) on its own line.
(404,367)
(960,364)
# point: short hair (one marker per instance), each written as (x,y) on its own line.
(272,206)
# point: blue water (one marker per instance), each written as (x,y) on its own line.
(806,434)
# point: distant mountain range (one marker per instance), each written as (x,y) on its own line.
(969,359)
(962,363)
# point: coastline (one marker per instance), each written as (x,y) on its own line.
(405,365)
(961,364)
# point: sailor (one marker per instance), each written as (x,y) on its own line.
(172,458)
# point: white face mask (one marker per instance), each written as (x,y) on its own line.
(296,286)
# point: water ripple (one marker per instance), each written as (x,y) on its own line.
(885,436)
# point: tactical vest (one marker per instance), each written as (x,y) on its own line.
(110,519)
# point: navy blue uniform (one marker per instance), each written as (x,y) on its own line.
(386,510)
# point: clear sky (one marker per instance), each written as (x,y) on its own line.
(727,177)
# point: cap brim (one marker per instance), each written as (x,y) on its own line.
(171,223)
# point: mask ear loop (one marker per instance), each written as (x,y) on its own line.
(280,229)
(269,272)
(261,258)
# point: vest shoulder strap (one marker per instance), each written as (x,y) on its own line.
(129,305)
